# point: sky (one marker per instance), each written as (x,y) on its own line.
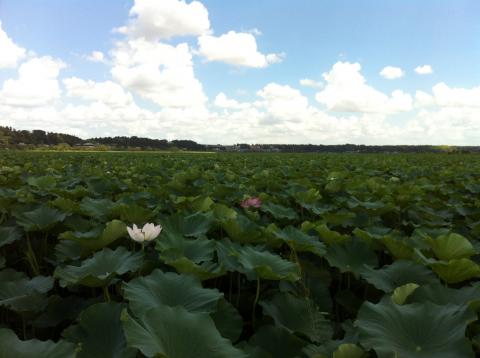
(226,72)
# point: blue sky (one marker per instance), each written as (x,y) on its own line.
(306,39)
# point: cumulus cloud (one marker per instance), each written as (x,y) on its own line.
(424,70)
(36,85)
(346,91)
(159,72)
(10,53)
(154,20)
(391,73)
(222,101)
(235,48)
(307,82)
(97,56)
(107,92)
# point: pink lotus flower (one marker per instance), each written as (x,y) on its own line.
(251,202)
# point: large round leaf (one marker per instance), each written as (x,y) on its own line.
(351,256)
(298,315)
(397,274)
(20,293)
(176,333)
(418,330)
(12,347)
(99,333)
(98,270)
(170,289)
(227,320)
(266,265)
(40,219)
(97,239)
(458,270)
(299,241)
(451,246)
(441,295)
(277,342)
(8,235)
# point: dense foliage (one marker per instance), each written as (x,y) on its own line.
(261,255)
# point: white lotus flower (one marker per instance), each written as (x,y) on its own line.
(147,233)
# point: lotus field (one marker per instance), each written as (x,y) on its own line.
(239,255)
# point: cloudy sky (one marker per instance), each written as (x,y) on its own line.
(270,71)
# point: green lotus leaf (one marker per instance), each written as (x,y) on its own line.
(197,250)
(61,309)
(298,315)
(100,209)
(398,274)
(266,265)
(41,219)
(418,330)
(223,213)
(242,229)
(277,342)
(227,320)
(351,256)
(46,182)
(400,249)
(100,269)
(441,295)
(22,294)
(278,211)
(455,271)
(348,350)
(174,332)
(177,226)
(170,289)
(97,239)
(400,294)
(203,270)
(133,213)
(451,246)
(228,253)
(11,346)
(330,237)
(342,218)
(99,333)
(66,205)
(9,235)
(301,242)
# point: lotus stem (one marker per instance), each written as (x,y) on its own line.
(257,295)
(31,258)
(106,294)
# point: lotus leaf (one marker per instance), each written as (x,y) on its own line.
(418,330)
(99,333)
(170,289)
(11,346)
(175,332)
(298,315)
(397,274)
(100,269)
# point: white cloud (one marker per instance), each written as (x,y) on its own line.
(456,97)
(10,53)
(391,73)
(424,70)
(282,102)
(37,84)
(235,48)
(346,91)
(97,56)
(222,101)
(307,82)
(159,72)
(106,92)
(164,19)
